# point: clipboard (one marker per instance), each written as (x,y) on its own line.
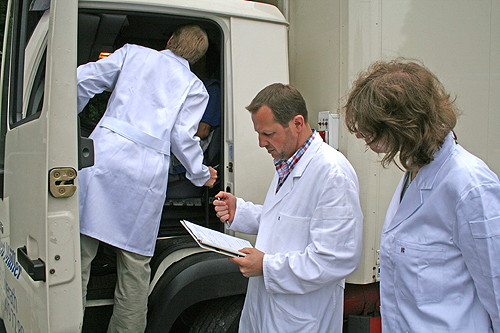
(216,241)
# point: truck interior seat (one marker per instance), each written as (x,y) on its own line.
(179,187)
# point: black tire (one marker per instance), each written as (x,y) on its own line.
(219,316)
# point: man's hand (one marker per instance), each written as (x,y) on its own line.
(225,206)
(251,264)
(213,177)
(203,130)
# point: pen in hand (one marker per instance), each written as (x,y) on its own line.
(225,206)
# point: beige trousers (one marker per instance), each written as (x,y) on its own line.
(132,286)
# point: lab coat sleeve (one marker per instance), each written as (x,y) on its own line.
(335,247)
(479,239)
(184,144)
(246,218)
(95,77)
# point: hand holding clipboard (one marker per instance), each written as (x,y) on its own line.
(215,240)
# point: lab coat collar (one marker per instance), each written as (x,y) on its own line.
(415,194)
(430,171)
(175,56)
(297,171)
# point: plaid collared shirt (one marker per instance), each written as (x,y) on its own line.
(284,167)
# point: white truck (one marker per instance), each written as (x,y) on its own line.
(42,151)
(317,45)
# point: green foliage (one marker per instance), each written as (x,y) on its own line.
(97,106)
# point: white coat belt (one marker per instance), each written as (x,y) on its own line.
(133,134)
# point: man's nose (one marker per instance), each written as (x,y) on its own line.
(262,142)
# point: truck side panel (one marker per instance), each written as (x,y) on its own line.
(457,39)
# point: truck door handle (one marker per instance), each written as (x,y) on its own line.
(85,150)
(34,268)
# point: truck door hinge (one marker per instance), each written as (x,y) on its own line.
(62,182)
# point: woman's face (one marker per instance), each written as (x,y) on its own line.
(379,146)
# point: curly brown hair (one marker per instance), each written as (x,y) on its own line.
(402,103)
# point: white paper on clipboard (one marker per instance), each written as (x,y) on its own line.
(215,240)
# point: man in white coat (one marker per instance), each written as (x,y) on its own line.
(309,230)
(155,107)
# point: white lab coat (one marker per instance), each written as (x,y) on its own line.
(311,234)
(156,105)
(440,248)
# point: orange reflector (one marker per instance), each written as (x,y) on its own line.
(103,55)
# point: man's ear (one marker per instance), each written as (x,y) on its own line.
(170,40)
(298,122)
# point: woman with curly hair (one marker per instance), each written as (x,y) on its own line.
(440,244)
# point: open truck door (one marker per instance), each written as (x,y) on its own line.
(259,54)
(39,199)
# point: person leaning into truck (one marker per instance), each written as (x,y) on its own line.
(155,106)
(440,245)
(205,70)
(309,230)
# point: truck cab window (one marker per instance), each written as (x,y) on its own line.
(21,22)
(35,101)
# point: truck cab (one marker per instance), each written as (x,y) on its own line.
(44,144)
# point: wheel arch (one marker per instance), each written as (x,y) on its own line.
(196,278)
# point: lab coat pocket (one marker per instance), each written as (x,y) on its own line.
(486,236)
(292,233)
(419,271)
(289,314)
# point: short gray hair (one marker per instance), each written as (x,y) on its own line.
(189,42)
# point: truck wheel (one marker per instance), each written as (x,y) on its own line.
(219,316)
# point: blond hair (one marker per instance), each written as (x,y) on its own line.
(189,42)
